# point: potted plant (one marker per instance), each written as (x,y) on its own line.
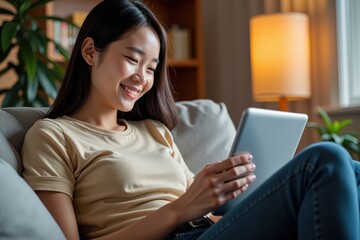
(37,75)
(332,131)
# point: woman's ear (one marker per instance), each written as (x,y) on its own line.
(88,51)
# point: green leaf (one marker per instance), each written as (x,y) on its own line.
(55,70)
(38,42)
(326,119)
(29,58)
(46,82)
(63,52)
(350,138)
(326,137)
(335,127)
(336,138)
(24,8)
(344,123)
(12,96)
(352,147)
(8,32)
(32,88)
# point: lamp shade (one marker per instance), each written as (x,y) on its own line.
(280,62)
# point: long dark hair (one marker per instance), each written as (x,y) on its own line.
(108,22)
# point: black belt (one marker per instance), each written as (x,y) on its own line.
(202,222)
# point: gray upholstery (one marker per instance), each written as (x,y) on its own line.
(204,134)
(22,214)
(14,123)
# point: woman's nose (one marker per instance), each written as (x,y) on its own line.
(139,77)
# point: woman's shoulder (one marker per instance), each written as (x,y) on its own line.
(46,126)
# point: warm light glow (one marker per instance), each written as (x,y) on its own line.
(280,62)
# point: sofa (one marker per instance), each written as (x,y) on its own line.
(204,134)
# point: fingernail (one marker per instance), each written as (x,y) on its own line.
(252,177)
(252,166)
(250,157)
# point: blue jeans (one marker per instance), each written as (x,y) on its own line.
(315,196)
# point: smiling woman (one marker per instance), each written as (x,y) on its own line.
(104,162)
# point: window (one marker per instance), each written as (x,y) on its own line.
(348,31)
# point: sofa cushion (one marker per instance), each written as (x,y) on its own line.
(205,132)
(22,215)
(15,122)
(9,154)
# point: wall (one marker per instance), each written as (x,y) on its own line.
(227,59)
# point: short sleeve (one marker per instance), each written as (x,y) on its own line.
(46,162)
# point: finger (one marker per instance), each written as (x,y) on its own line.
(236,172)
(238,183)
(211,164)
(231,162)
(234,194)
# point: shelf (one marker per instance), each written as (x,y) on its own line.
(183,63)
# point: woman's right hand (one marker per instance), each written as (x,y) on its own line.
(214,185)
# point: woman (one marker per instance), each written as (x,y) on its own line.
(105,165)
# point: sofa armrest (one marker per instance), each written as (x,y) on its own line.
(22,214)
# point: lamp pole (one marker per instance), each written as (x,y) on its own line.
(283,104)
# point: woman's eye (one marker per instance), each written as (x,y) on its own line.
(152,69)
(134,60)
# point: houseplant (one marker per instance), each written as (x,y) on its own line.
(333,131)
(37,74)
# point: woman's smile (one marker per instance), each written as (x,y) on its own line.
(131,91)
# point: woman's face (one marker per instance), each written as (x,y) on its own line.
(126,70)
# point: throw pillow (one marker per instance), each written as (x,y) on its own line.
(205,132)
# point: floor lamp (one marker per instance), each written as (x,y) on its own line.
(280,62)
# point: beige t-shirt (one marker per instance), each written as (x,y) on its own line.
(113,177)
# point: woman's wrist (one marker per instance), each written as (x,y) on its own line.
(177,212)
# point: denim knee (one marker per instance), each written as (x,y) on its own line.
(330,154)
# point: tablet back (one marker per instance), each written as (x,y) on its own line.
(272,138)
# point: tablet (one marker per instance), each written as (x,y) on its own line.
(272,138)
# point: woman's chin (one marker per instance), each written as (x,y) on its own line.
(126,107)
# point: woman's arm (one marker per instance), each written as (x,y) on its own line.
(61,208)
(214,185)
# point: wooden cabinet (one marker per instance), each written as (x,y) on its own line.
(187,74)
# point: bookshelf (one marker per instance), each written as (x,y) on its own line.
(186,73)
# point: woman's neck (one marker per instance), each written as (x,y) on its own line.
(105,119)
